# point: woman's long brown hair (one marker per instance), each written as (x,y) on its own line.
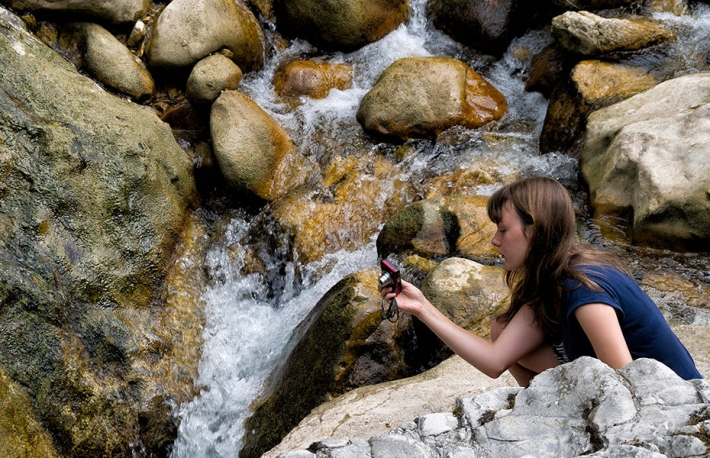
(553,254)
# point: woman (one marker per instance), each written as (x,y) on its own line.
(567,301)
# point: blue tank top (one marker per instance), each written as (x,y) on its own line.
(646,332)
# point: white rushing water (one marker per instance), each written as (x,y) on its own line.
(248,326)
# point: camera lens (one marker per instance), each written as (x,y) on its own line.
(385,279)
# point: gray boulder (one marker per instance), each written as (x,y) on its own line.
(583,408)
(253,151)
(188,30)
(114,64)
(116,11)
(646,159)
(586,33)
(93,197)
(441,92)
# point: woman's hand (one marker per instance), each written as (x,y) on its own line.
(410,299)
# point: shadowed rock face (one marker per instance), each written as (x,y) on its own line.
(93,197)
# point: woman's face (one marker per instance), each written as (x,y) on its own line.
(512,238)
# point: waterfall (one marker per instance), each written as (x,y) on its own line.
(247,323)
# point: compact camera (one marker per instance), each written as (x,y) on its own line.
(390,277)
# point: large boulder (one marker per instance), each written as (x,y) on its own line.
(117,11)
(94,194)
(591,35)
(188,30)
(253,151)
(583,408)
(342,25)
(592,85)
(451,225)
(646,159)
(423,96)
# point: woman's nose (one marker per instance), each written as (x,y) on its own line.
(494,241)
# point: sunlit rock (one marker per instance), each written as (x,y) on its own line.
(210,76)
(94,195)
(343,25)
(593,84)
(374,410)
(116,11)
(253,151)
(646,158)
(441,92)
(311,78)
(359,198)
(113,64)
(188,30)
(486,26)
(583,408)
(467,292)
(586,33)
(452,225)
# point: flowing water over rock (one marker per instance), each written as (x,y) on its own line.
(250,317)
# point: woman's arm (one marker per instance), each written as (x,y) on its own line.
(601,325)
(519,338)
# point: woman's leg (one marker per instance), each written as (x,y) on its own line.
(540,359)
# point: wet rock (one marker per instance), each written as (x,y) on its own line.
(113,64)
(580,408)
(486,26)
(20,428)
(342,343)
(592,85)
(548,68)
(342,25)
(592,35)
(345,215)
(210,76)
(253,151)
(468,293)
(441,92)
(452,225)
(116,11)
(187,30)
(312,79)
(94,195)
(646,159)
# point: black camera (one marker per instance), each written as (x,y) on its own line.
(390,277)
